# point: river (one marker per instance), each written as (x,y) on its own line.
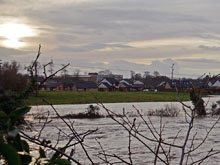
(114,139)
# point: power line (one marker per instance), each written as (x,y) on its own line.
(172,67)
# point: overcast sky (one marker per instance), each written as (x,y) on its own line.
(120,35)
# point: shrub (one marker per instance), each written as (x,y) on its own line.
(93,110)
(198,102)
(215,110)
(11,79)
(91,113)
(168,111)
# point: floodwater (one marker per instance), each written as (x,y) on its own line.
(114,139)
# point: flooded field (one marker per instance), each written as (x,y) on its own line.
(114,139)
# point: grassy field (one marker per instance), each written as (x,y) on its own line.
(69,97)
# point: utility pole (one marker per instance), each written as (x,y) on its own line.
(0,65)
(172,67)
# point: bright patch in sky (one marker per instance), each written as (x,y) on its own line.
(13,33)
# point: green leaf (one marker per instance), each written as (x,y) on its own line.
(3,114)
(55,155)
(16,143)
(3,117)
(42,153)
(60,162)
(4,120)
(25,146)
(9,154)
(18,113)
(26,159)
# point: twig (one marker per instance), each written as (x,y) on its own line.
(38,142)
(42,128)
(106,159)
(73,131)
(190,126)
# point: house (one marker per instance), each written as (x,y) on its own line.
(68,85)
(216,84)
(84,86)
(51,85)
(92,78)
(108,84)
(126,81)
(161,85)
(105,87)
(39,79)
(178,84)
(110,81)
(199,84)
(138,85)
(125,85)
(100,77)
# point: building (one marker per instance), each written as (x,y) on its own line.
(108,84)
(85,86)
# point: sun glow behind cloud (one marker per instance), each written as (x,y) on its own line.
(13,34)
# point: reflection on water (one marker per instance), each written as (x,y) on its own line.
(114,139)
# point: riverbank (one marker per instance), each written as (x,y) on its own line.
(69,97)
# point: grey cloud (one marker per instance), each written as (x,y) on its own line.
(208,36)
(181,66)
(7,53)
(164,66)
(200,60)
(98,22)
(124,67)
(127,66)
(204,64)
(128,22)
(66,38)
(210,48)
(90,47)
(117,67)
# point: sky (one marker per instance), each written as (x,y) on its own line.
(120,35)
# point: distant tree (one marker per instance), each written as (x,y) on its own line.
(146,74)
(51,67)
(64,72)
(132,75)
(156,74)
(76,74)
(137,76)
(105,72)
(11,79)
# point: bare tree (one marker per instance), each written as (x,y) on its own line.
(51,67)
(132,74)
(146,74)
(11,79)
(156,74)
(76,74)
(64,71)
(155,142)
(137,76)
(74,137)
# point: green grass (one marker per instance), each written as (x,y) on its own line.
(69,97)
